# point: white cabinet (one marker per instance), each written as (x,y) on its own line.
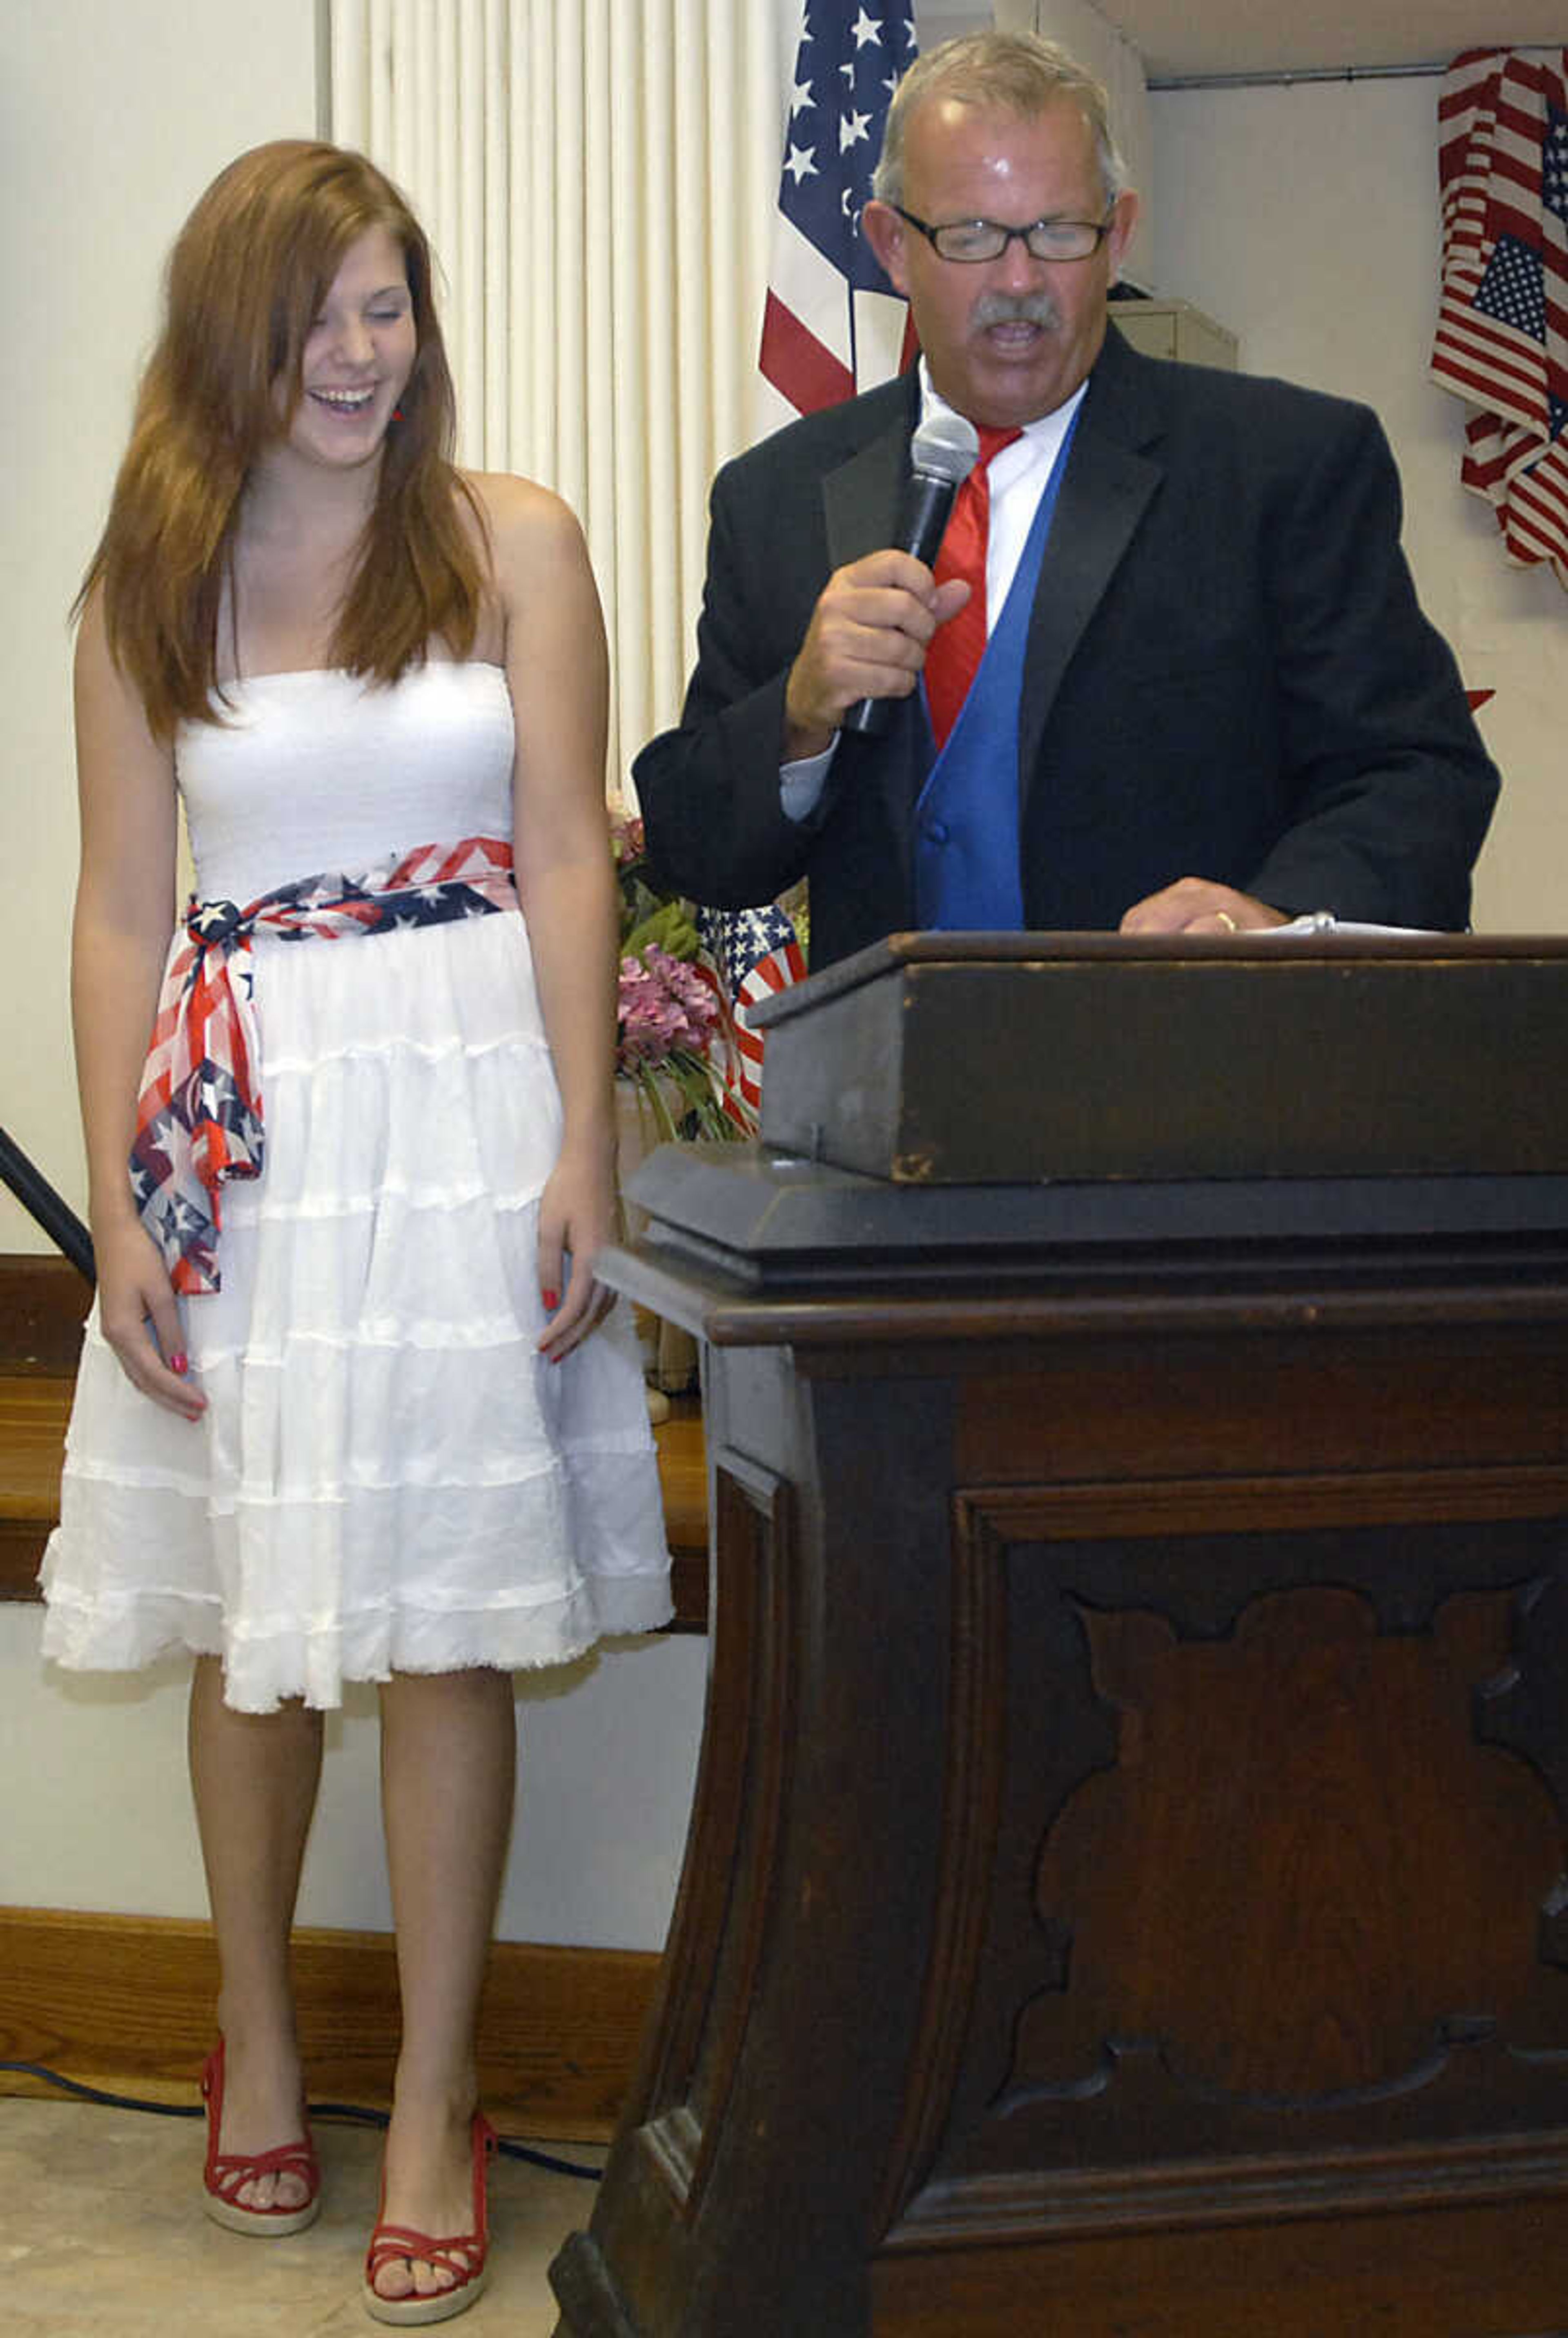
(1175,329)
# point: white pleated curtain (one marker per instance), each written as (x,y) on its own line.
(598,182)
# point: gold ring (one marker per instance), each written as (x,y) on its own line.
(1227,921)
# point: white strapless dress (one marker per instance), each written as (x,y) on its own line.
(387,1477)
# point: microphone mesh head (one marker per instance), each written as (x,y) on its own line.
(945,447)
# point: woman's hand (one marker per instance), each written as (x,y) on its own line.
(141,1320)
(576,1220)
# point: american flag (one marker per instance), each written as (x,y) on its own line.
(1501,339)
(757,955)
(833,323)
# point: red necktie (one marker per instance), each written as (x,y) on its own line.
(957,647)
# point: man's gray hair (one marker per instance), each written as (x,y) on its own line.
(1008,73)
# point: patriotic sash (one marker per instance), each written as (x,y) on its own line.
(199,1110)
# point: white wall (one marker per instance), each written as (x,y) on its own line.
(115,117)
(97,1807)
(1306,219)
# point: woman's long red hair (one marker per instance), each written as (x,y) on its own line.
(245,280)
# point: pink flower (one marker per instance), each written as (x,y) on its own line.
(665,1009)
(626,839)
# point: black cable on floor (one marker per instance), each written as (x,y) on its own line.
(355,2114)
(99,2095)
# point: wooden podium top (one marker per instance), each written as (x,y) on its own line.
(968,1059)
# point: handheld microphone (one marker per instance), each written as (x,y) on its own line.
(943,452)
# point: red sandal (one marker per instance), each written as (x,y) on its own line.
(462,2255)
(226,2173)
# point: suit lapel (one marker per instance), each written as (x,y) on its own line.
(1107,486)
(861,499)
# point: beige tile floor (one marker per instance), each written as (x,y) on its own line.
(100,2231)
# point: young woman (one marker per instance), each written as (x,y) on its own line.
(352,1405)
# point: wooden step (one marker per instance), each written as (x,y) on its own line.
(41,1303)
(33,1415)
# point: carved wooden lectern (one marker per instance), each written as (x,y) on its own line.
(1126,1890)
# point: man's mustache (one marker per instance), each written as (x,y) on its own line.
(1016,309)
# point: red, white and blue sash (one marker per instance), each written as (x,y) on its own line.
(199,1111)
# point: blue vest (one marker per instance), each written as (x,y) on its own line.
(967,872)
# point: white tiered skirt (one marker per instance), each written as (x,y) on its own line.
(387,1477)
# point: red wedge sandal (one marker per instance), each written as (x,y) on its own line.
(462,2255)
(226,2173)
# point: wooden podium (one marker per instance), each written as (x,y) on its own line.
(1126,1890)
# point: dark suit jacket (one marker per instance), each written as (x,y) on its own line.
(1227,673)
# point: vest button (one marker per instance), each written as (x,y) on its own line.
(937,831)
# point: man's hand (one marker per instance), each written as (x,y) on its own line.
(867,639)
(1194,905)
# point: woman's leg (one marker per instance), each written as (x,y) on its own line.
(448,1759)
(254,1777)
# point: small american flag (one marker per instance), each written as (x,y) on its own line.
(1501,339)
(757,955)
(833,323)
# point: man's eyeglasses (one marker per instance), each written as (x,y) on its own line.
(980,239)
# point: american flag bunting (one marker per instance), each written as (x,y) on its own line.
(1502,339)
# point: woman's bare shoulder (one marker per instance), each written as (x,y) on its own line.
(526,523)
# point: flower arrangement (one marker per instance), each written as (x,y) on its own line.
(672,1024)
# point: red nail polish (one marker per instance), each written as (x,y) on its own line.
(551,1300)
(179,1363)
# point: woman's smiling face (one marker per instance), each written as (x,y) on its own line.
(357,356)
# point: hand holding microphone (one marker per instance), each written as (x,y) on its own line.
(862,619)
(942,454)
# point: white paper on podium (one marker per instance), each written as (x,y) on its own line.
(1324,922)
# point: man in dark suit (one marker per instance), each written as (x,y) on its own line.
(1225,706)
